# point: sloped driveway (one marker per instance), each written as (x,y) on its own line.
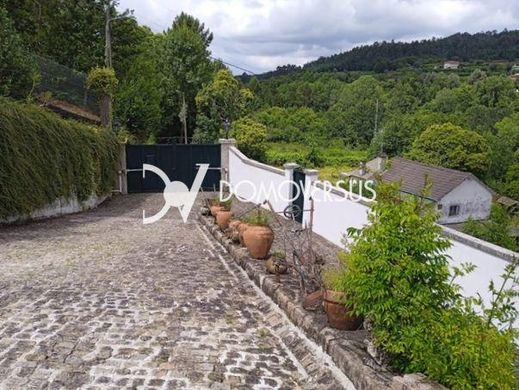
(99,300)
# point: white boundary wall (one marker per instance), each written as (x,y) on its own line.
(57,208)
(272,183)
(336,214)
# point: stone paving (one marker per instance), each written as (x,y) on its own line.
(99,301)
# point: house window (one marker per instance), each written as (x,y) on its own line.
(454,210)
(440,206)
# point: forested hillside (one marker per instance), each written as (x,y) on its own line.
(483,47)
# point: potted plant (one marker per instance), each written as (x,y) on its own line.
(224,215)
(258,236)
(215,206)
(232,231)
(276,263)
(339,315)
(241,229)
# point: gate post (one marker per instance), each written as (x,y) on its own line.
(289,176)
(122,178)
(225,146)
(311,175)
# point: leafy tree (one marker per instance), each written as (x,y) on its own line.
(138,99)
(72,32)
(103,81)
(194,25)
(504,145)
(251,137)
(186,67)
(222,100)
(17,67)
(451,146)
(359,109)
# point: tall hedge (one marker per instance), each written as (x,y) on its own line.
(44,157)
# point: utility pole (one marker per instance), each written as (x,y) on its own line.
(108,34)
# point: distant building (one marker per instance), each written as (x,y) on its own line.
(458,195)
(451,65)
(514,69)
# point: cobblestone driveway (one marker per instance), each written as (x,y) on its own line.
(99,300)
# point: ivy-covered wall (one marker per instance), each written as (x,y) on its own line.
(44,157)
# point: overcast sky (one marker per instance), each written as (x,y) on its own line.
(262,34)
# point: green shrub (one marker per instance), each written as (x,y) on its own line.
(44,157)
(397,275)
(257,218)
(251,137)
(18,70)
(497,229)
(102,80)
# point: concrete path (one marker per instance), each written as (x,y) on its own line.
(99,300)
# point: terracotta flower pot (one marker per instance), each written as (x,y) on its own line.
(215,209)
(241,229)
(339,317)
(233,232)
(258,240)
(222,219)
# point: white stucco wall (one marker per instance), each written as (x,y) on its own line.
(333,215)
(257,182)
(473,198)
(58,207)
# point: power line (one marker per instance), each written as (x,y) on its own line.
(234,66)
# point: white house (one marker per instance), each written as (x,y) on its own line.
(458,195)
(451,65)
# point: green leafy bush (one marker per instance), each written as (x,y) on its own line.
(44,157)
(497,229)
(251,137)
(18,70)
(397,275)
(102,80)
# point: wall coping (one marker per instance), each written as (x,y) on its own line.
(255,163)
(483,246)
(462,238)
(342,192)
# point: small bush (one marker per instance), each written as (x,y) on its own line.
(251,138)
(44,157)
(102,80)
(257,218)
(397,275)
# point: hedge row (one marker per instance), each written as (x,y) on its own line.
(44,157)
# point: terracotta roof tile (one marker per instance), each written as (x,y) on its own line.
(413,174)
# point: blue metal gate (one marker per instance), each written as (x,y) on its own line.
(179,162)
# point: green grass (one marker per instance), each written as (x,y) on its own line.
(332,160)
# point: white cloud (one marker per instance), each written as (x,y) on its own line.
(262,34)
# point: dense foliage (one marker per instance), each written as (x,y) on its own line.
(102,80)
(44,158)
(496,229)
(17,68)
(219,104)
(251,137)
(397,275)
(72,32)
(451,146)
